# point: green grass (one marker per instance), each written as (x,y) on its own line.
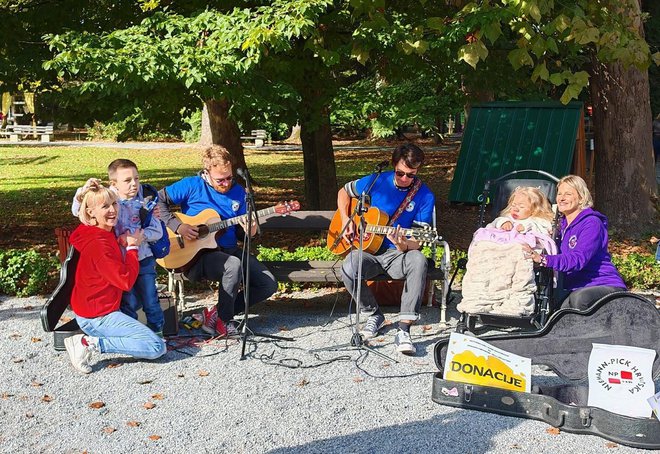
(38,183)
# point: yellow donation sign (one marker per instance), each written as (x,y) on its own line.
(471,360)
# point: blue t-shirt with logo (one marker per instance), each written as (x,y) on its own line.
(195,195)
(387,197)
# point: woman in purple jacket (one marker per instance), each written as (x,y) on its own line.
(589,273)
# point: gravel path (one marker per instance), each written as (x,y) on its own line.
(204,399)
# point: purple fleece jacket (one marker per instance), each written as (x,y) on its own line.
(583,253)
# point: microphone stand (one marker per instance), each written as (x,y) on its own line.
(245,259)
(356,341)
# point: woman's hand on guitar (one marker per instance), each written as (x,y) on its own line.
(188,232)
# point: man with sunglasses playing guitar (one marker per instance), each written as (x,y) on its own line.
(400,194)
(214,187)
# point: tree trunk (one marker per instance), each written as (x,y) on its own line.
(219,129)
(318,159)
(295,134)
(625,177)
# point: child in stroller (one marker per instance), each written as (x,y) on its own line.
(499,279)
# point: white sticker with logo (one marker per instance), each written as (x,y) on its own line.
(235,205)
(572,242)
(411,206)
(621,379)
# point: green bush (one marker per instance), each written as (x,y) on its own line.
(639,271)
(26,273)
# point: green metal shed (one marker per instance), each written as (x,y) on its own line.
(505,136)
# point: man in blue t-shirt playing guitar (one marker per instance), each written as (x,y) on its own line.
(406,202)
(204,247)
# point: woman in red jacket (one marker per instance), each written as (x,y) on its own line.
(101,277)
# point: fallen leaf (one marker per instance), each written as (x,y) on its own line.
(180,375)
(36,339)
(109,430)
(155,437)
(6,396)
(36,384)
(46,398)
(386,364)
(145,382)
(553,430)
(283,328)
(421,363)
(17,360)
(302,383)
(515,446)
(427,327)
(133,424)
(158,397)
(113,365)
(610,445)
(149,405)
(65,319)
(28,308)
(29,414)
(387,323)
(97,405)
(203,373)
(358,379)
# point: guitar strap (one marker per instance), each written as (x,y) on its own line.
(411,194)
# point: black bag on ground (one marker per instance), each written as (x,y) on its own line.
(565,344)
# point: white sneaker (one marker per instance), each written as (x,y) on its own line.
(403,343)
(79,354)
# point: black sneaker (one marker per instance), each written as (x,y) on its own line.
(372,326)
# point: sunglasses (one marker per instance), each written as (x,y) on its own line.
(221,180)
(401,174)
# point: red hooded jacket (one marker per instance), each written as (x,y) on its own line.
(102,275)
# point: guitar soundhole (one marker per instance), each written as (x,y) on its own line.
(203,230)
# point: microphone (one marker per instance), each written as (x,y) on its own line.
(382,165)
(243,173)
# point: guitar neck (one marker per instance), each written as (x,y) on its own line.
(217,226)
(387,229)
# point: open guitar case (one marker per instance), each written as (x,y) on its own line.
(564,344)
(58,301)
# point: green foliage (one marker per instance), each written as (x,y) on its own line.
(25,273)
(385,107)
(639,271)
(551,40)
(270,254)
(193,132)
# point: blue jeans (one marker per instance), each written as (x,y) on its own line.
(144,295)
(119,333)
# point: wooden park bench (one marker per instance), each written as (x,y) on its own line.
(17,132)
(259,137)
(312,271)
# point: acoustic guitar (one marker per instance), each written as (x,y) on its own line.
(210,227)
(375,230)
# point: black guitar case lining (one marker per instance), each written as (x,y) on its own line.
(59,300)
(564,344)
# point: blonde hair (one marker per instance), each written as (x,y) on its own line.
(580,187)
(95,195)
(540,205)
(216,156)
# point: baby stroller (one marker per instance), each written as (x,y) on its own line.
(544,278)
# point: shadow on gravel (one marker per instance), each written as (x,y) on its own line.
(452,432)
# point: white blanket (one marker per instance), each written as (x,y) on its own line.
(499,278)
